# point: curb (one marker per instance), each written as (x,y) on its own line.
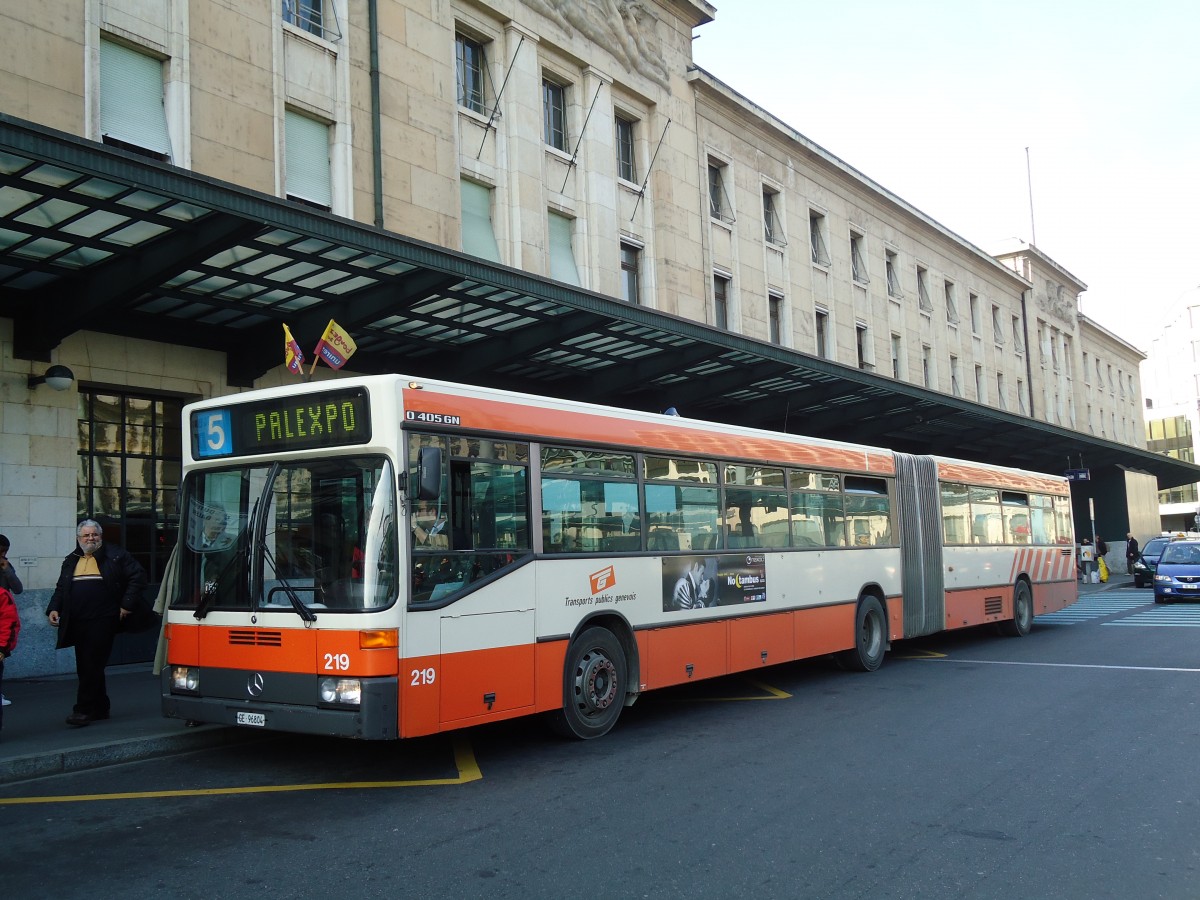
(94,756)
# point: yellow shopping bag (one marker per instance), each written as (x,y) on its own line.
(1103,569)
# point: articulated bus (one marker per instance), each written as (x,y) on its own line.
(381,557)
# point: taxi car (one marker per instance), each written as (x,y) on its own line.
(1177,576)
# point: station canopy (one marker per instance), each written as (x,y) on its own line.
(93,238)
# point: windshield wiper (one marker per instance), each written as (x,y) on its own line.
(297,604)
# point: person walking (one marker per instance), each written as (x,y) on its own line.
(1132,552)
(98,586)
(10,627)
(11,583)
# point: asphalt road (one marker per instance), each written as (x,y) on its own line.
(1060,765)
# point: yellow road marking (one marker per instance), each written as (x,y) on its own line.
(775,694)
(464,761)
(922,654)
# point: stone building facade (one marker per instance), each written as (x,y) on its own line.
(573,139)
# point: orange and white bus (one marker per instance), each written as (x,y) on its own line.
(382,557)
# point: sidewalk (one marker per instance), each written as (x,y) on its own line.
(36,740)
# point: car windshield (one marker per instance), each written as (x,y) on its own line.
(1154,548)
(1185,554)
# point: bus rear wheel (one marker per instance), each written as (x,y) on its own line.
(1022,621)
(594,677)
(870,638)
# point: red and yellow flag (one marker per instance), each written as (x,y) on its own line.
(293,356)
(335,346)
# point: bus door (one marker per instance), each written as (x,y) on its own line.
(923,581)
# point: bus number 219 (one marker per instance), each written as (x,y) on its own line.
(423,676)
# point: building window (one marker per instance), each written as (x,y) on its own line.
(775,317)
(997,325)
(721,301)
(821,326)
(1001,391)
(923,299)
(951,302)
(1018,335)
(306,161)
(554,114)
(625,164)
(955,377)
(314,16)
(478,235)
(816,234)
(975,323)
(562,255)
(858,265)
(719,206)
(772,227)
(927,365)
(130,450)
(132,115)
(1021,404)
(471,64)
(631,262)
(980,393)
(893,275)
(897,347)
(862,342)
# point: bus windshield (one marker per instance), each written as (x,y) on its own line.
(309,536)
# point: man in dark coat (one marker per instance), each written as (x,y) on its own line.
(98,586)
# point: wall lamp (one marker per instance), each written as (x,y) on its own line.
(58,377)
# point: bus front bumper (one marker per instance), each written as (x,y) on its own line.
(289,705)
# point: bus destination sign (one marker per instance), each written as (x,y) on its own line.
(328,419)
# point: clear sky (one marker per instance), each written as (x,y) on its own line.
(936,100)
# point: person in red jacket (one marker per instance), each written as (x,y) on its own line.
(10,627)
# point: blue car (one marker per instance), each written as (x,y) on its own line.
(1177,576)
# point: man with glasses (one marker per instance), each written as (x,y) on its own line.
(99,585)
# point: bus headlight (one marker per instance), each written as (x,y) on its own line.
(341,690)
(185,678)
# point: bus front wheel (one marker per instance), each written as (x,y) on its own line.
(594,677)
(1022,621)
(870,637)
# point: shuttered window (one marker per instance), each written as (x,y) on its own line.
(131,100)
(478,235)
(307,159)
(562,257)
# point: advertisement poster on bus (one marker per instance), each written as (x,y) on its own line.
(697,582)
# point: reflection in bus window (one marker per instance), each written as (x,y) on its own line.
(987,527)
(956,514)
(868,511)
(818,512)
(1041,519)
(479,523)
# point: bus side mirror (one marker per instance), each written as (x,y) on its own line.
(429,473)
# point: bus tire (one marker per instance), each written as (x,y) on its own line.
(870,637)
(594,684)
(1022,621)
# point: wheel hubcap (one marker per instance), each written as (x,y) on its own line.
(595,683)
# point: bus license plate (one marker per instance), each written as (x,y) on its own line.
(249,718)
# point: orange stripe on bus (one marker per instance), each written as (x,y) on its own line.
(1003,478)
(531,420)
(307,651)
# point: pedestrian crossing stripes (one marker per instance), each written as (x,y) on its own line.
(1164,617)
(1088,608)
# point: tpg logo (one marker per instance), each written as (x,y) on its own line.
(604,579)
